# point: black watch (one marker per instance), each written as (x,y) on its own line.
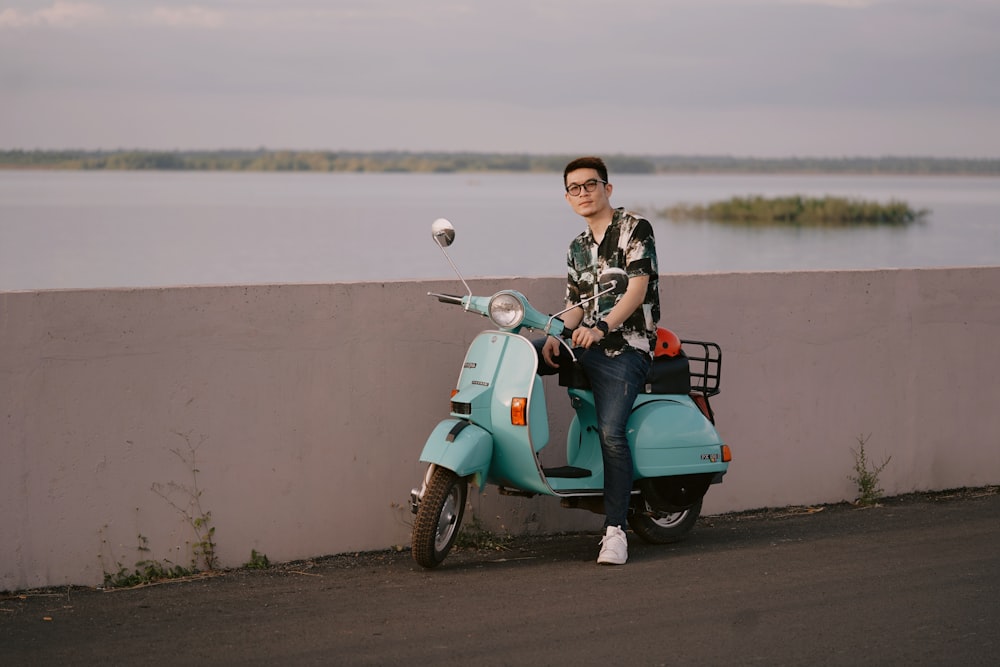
(602,326)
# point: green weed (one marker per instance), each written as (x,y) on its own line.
(866,475)
(258,561)
(186,500)
(473,535)
(146,571)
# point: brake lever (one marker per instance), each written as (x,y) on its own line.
(564,338)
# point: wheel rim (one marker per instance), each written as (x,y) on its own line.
(448,519)
(667,520)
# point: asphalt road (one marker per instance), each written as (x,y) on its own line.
(915,581)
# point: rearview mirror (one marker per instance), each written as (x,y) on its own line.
(613,280)
(443,232)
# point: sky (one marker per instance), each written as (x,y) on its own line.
(761,78)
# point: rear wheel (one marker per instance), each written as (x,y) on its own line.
(439,517)
(663,528)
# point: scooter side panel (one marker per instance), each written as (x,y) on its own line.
(466,453)
(670,436)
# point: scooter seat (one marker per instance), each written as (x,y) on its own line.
(667,375)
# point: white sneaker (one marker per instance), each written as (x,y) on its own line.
(614,547)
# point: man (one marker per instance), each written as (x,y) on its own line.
(616,336)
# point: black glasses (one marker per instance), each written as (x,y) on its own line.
(588,186)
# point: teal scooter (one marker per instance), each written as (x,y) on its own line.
(499,424)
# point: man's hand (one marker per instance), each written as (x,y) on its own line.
(549,351)
(584,337)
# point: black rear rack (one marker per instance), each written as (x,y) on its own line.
(706,365)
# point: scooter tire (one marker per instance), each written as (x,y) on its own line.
(667,529)
(438,517)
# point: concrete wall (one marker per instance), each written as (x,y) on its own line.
(295,414)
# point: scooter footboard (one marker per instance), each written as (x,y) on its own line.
(462,447)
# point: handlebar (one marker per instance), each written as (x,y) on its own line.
(524,315)
(447,298)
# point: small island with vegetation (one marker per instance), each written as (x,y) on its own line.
(798,211)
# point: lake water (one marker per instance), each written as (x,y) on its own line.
(138,229)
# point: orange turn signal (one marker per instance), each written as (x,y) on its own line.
(519,411)
(727,455)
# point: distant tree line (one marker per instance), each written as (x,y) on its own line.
(401,161)
(798,211)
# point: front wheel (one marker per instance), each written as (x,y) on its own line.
(665,529)
(439,517)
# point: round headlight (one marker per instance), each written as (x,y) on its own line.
(506,310)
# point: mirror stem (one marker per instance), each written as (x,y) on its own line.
(468,290)
(548,326)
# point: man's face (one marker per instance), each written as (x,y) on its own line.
(588,204)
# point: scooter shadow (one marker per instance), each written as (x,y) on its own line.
(565,548)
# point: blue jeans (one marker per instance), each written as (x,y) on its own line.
(616,382)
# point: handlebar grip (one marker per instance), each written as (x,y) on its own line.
(446,298)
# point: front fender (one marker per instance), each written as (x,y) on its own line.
(462,447)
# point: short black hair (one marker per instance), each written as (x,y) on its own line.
(588,162)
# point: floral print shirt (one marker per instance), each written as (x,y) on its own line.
(628,244)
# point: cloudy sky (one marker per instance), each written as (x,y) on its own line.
(710,77)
